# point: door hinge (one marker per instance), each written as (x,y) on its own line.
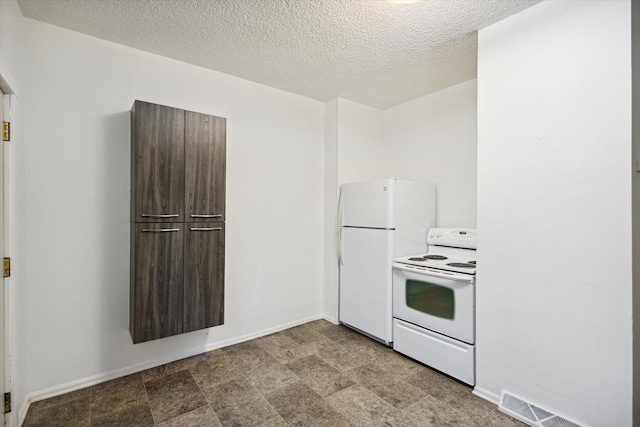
(7,402)
(6,266)
(6,131)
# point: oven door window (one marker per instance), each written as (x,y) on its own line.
(430,298)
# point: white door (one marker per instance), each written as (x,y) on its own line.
(368,204)
(365,281)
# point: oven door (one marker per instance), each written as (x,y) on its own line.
(441,301)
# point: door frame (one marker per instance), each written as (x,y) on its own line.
(9,100)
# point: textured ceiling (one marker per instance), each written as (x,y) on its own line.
(368,51)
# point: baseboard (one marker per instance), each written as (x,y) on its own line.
(24,408)
(330,319)
(117,373)
(486,395)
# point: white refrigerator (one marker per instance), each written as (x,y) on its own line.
(377,221)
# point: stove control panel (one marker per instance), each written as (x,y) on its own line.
(453,237)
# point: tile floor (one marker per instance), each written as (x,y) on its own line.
(316,374)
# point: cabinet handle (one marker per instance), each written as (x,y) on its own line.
(159,230)
(206,228)
(205,216)
(159,215)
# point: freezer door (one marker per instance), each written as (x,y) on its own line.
(368,204)
(365,281)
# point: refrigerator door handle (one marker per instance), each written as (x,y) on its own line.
(339,230)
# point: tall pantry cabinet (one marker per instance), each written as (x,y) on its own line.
(178,163)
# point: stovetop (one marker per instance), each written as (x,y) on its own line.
(449,249)
(448,262)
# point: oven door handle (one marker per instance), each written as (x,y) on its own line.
(433,272)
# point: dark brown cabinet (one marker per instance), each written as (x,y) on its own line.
(203,275)
(157,294)
(178,184)
(205,154)
(157,163)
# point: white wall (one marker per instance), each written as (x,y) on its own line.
(434,139)
(361,142)
(330,294)
(80,91)
(554,209)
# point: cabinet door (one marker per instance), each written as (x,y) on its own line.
(157,163)
(203,275)
(205,159)
(157,294)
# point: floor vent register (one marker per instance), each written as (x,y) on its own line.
(531,414)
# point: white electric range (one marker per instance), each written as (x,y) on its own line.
(434,303)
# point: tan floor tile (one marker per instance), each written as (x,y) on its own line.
(368,376)
(319,375)
(365,347)
(431,412)
(466,402)
(164,370)
(238,403)
(496,418)
(178,365)
(281,347)
(363,407)
(389,387)
(396,364)
(247,414)
(432,382)
(116,395)
(272,377)
(249,357)
(174,395)
(340,334)
(327,386)
(299,405)
(138,415)
(398,393)
(84,393)
(217,368)
(275,422)
(236,391)
(354,342)
(240,348)
(340,357)
(303,334)
(457,395)
(201,417)
(75,413)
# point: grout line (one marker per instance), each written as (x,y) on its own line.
(90,405)
(146,393)
(205,395)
